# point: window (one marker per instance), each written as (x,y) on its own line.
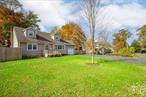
(59,47)
(32,47)
(56,38)
(29,46)
(48,47)
(30,33)
(56,47)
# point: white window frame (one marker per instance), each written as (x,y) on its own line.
(62,48)
(50,48)
(31,31)
(56,38)
(32,47)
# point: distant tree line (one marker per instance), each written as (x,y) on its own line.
(120,41)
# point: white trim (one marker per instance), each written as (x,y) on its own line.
(32,46)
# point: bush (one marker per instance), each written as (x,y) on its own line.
(127,52)
(143,51)
(108,51)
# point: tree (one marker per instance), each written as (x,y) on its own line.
(30,20)
(91,11)
(142,36)
(8,18)
(120,40)
(11,4)
(73,32)
(136,45)
(55,30)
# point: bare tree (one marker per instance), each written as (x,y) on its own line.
(91,11)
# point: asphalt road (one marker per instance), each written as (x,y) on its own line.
(140,59)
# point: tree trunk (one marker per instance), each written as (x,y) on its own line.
(93,47)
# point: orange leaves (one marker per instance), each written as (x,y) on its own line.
(72,31)
(142,36)
(120,39)
(88,44)
(8,18)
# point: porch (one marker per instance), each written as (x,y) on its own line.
(49,53)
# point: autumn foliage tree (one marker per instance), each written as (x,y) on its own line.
(11,14)
(120,40)
(142,36)
(8,18)
(73,32)
(88,45)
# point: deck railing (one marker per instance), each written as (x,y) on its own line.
(49,53)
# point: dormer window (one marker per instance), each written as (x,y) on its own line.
(56,38)
(31,33)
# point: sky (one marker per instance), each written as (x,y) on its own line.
(118,14)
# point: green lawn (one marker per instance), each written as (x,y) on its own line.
(70,76)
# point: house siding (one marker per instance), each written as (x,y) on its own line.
(62,51)
(41,48)
(38,52)
(20,39)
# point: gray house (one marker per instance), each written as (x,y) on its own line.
(34,43)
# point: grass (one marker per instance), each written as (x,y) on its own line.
(70,76)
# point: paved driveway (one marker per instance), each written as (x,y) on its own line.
(141,59)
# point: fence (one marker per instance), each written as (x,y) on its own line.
(7,54)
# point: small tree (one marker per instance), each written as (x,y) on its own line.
(91,11)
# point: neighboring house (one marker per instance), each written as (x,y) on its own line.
(103,47)
(33,43)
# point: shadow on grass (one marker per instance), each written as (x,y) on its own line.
(103,61)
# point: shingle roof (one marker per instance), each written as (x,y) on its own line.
(41,37)
(67,42)
(22,38)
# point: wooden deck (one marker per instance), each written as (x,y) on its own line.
(49,53)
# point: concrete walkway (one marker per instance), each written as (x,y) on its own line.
(141,59)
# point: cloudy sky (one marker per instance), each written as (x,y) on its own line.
(128,14)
